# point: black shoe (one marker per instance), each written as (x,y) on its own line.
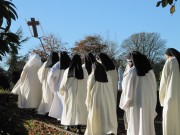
(78,131)
(67,128)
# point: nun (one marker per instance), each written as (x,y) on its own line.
(138,98)
(102,118)
(169,93)
(111,71)
(74,89)
(28,87)
(47,95)
(54,81)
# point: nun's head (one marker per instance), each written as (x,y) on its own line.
(140,62)
(52,59)
(64,60)
(170,53)
(107,62)
(89,61)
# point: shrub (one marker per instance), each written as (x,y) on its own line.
(10,120)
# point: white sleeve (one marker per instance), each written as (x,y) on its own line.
(53,77)
(90,84)
(41,72)
(63,82)
(127,93)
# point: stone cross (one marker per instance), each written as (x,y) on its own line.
(33,23)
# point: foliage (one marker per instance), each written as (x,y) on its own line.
(96,44)
(8,13)
(4,82)
(93,44)
(7,38)
(164,3)
(15,62)
(7,41)
(11,123)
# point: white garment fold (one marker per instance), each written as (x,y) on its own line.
(102,118)
(74,92)
(28,87)
(113,74)
(169,95)
(47,95)
(54,80)
(139,99)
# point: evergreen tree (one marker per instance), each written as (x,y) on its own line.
(15,62)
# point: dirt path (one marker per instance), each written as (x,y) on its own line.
(44,125)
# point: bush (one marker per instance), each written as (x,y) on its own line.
(10,120)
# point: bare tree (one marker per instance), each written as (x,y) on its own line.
(49,43)
(149,44)
(112,49)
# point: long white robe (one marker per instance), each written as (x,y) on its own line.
(113,74)
(74,92)
(47,95)
(169,95)
(139,99)
(54,80)
(28,87)
(102,118)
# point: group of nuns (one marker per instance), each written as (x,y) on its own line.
(80,94)
(77,94)
(139,90)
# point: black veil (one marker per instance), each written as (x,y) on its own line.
(52,59)
(75,69)
(64,60)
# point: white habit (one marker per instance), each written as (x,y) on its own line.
(114,77)
(74,92)
(28,87)
(102,118)
(54,80)
(47,95)
(169,95)
(139,99)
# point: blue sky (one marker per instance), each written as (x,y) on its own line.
(72,20)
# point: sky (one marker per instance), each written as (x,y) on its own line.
(72,20)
